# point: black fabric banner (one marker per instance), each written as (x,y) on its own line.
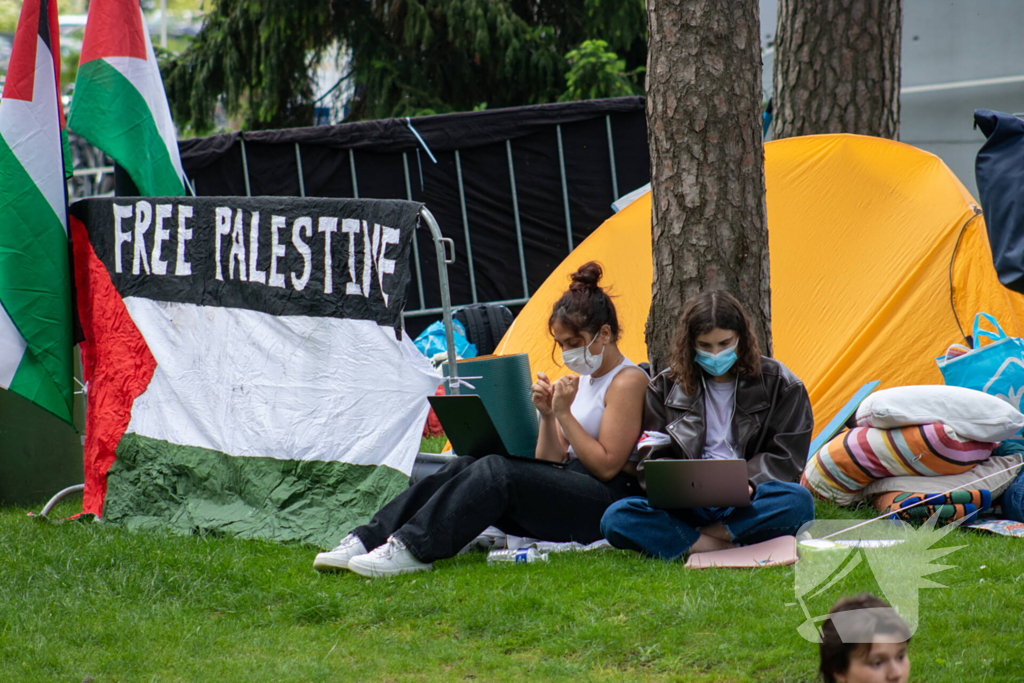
(341,258)
(390,162)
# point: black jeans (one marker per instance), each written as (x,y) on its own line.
(438,516)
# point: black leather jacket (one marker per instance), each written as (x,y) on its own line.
(772,423)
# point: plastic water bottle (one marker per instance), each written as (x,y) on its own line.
(516,556)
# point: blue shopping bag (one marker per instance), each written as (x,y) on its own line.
(996,368)
(432,341)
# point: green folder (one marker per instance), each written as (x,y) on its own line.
(503,384)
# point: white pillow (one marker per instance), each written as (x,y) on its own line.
(971,414)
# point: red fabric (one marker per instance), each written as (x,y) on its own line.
(114,29)
(116,363)
(55,55)
(21,72)
(433,426)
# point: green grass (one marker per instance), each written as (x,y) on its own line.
(83,599)
(433,444)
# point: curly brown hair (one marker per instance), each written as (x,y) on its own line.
(701,314)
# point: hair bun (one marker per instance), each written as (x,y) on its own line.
(587,277)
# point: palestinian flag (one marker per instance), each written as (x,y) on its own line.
(35,283)
(243,364)
(119,103)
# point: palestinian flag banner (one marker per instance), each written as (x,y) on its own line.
(244,363)
(120,104)
(35,281)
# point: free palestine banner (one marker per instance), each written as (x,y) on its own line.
(245,367)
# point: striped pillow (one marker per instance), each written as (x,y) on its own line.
(852,460)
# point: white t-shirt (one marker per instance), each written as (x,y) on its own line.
(588,405)
(719,403)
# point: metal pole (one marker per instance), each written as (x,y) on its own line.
(611,156)
(465,225)
(446,300)
(61,494)
(245,168)
(515,213)
(298,162)
(415,246)
(565,187)
(352,168)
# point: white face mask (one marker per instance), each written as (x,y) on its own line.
(580,361)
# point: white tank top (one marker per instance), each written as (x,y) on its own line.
(588,406)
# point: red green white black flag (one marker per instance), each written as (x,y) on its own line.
(119,103)
(35,293)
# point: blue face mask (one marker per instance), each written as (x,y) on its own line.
(718,364)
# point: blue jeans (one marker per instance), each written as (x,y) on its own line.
(1013,499)
(778,509)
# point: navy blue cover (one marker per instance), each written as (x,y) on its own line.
(999,170)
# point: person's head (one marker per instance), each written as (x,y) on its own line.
(584,319)
(713,323)
(863,640)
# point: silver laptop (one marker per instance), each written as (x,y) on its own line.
(675,484)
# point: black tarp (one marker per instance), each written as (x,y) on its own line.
(379,148)
(999,170)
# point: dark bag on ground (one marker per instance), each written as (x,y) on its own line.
(485,325)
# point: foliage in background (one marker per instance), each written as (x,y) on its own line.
(595,71)
(9,11)
(257,55)
(408,57)
(71,37)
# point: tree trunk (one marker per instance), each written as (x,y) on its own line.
(707,162)
(837,68)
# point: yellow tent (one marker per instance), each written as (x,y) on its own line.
(862,232)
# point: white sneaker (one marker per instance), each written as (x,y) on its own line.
(390,559)
(338,558)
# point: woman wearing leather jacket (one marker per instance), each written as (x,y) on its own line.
(718,399)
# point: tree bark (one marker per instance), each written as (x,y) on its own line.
(837,68)
(709,228)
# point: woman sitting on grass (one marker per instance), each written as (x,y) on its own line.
(721,399)
(863,640)
(591,426)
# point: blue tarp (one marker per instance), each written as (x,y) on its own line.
(432,341)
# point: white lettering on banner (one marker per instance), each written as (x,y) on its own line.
(255,274)
(351,226)
(277,250)
(143,219)
(368,252)
(237,250)
(304,223)
(223,228)
(160,235)
(183,267)
(385,265)
(120,236)
(328,225)
(153,259)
